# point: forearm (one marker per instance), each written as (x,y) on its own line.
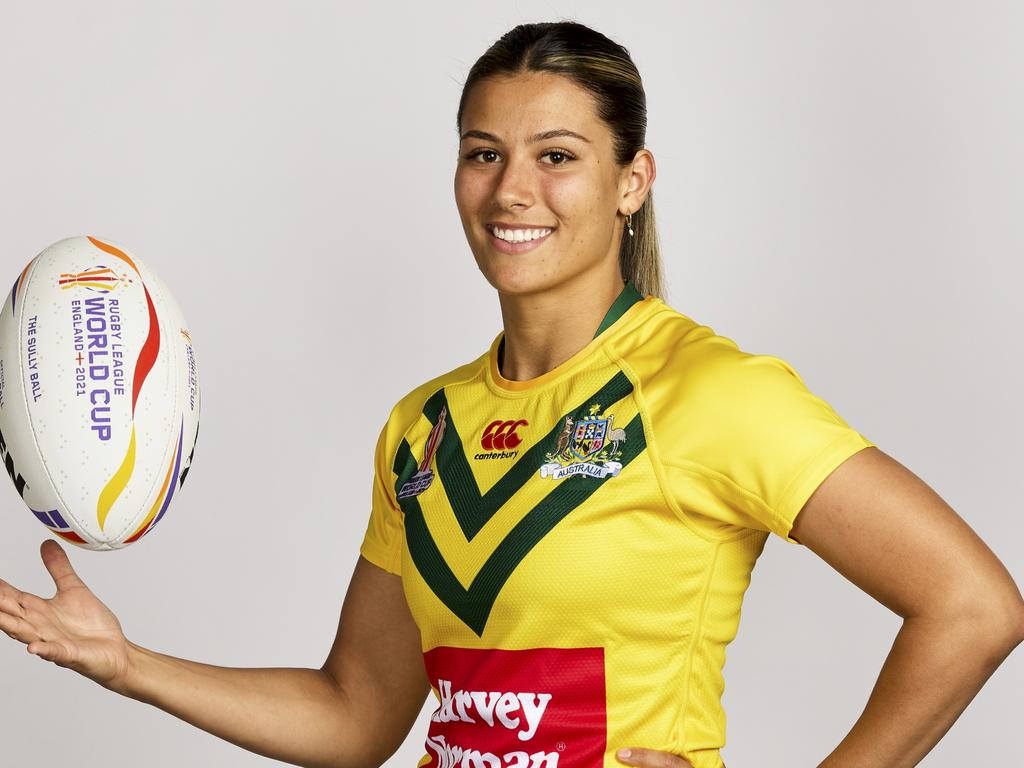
(289,714)
(935,668)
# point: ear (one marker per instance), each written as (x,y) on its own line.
(636,180)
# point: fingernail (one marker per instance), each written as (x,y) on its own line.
(623,753)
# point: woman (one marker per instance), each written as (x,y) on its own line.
(563,529)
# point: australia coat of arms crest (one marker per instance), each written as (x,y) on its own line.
(586,446)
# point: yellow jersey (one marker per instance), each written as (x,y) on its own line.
(575,548)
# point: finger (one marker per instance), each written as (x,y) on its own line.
(56,561)
(39,613)
(32,610)
(652,758)
(32,603)
(53,651)
(36,623)
(10,600)
(17,628)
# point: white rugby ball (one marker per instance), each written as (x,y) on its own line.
(99,393)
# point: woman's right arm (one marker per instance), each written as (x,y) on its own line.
(353,712)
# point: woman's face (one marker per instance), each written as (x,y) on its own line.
(567,184)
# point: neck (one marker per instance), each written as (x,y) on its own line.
(543,330)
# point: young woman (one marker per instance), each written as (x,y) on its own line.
(563,529)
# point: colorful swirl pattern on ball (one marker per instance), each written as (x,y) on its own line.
(14,290)
(163,499)
(52,520)
(144,364)
(147,357)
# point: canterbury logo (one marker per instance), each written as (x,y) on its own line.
(501,435)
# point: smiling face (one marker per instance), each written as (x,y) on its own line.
(567,184)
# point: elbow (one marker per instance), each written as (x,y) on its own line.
(1020,624)
(1014,621)
(989,627)
(1003,626)
(1016,633)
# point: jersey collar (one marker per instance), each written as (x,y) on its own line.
(626,299)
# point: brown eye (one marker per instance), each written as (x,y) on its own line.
(560,153)
(471,155)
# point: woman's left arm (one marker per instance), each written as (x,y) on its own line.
(888,532)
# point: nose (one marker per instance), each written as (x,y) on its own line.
(516,184)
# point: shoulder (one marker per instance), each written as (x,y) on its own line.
(743,426)
(680,357)
(706,396)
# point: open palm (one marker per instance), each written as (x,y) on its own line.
(72,629)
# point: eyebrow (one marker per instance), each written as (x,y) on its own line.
(557,132)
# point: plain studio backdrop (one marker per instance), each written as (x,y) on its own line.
(839,184)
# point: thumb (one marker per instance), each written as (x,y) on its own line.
(56,561)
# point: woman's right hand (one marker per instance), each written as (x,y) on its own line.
(72,629)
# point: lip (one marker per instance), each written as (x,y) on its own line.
(506,247)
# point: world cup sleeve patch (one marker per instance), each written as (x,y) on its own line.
(424,474)
(530,708)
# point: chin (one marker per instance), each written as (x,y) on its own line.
(522,281)
(522,275)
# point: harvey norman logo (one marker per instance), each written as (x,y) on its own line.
(452,756)
(520,712)
(516,708)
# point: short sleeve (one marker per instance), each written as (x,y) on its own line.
(385,531)
(768,438)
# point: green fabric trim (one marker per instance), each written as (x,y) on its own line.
(627,298)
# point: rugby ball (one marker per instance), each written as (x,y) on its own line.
(99,393)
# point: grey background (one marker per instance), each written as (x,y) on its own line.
(839,184)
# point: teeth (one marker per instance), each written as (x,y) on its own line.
(520,235)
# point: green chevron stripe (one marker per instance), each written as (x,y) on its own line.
(474,605)
(473,509)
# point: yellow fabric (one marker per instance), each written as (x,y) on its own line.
(651,568)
